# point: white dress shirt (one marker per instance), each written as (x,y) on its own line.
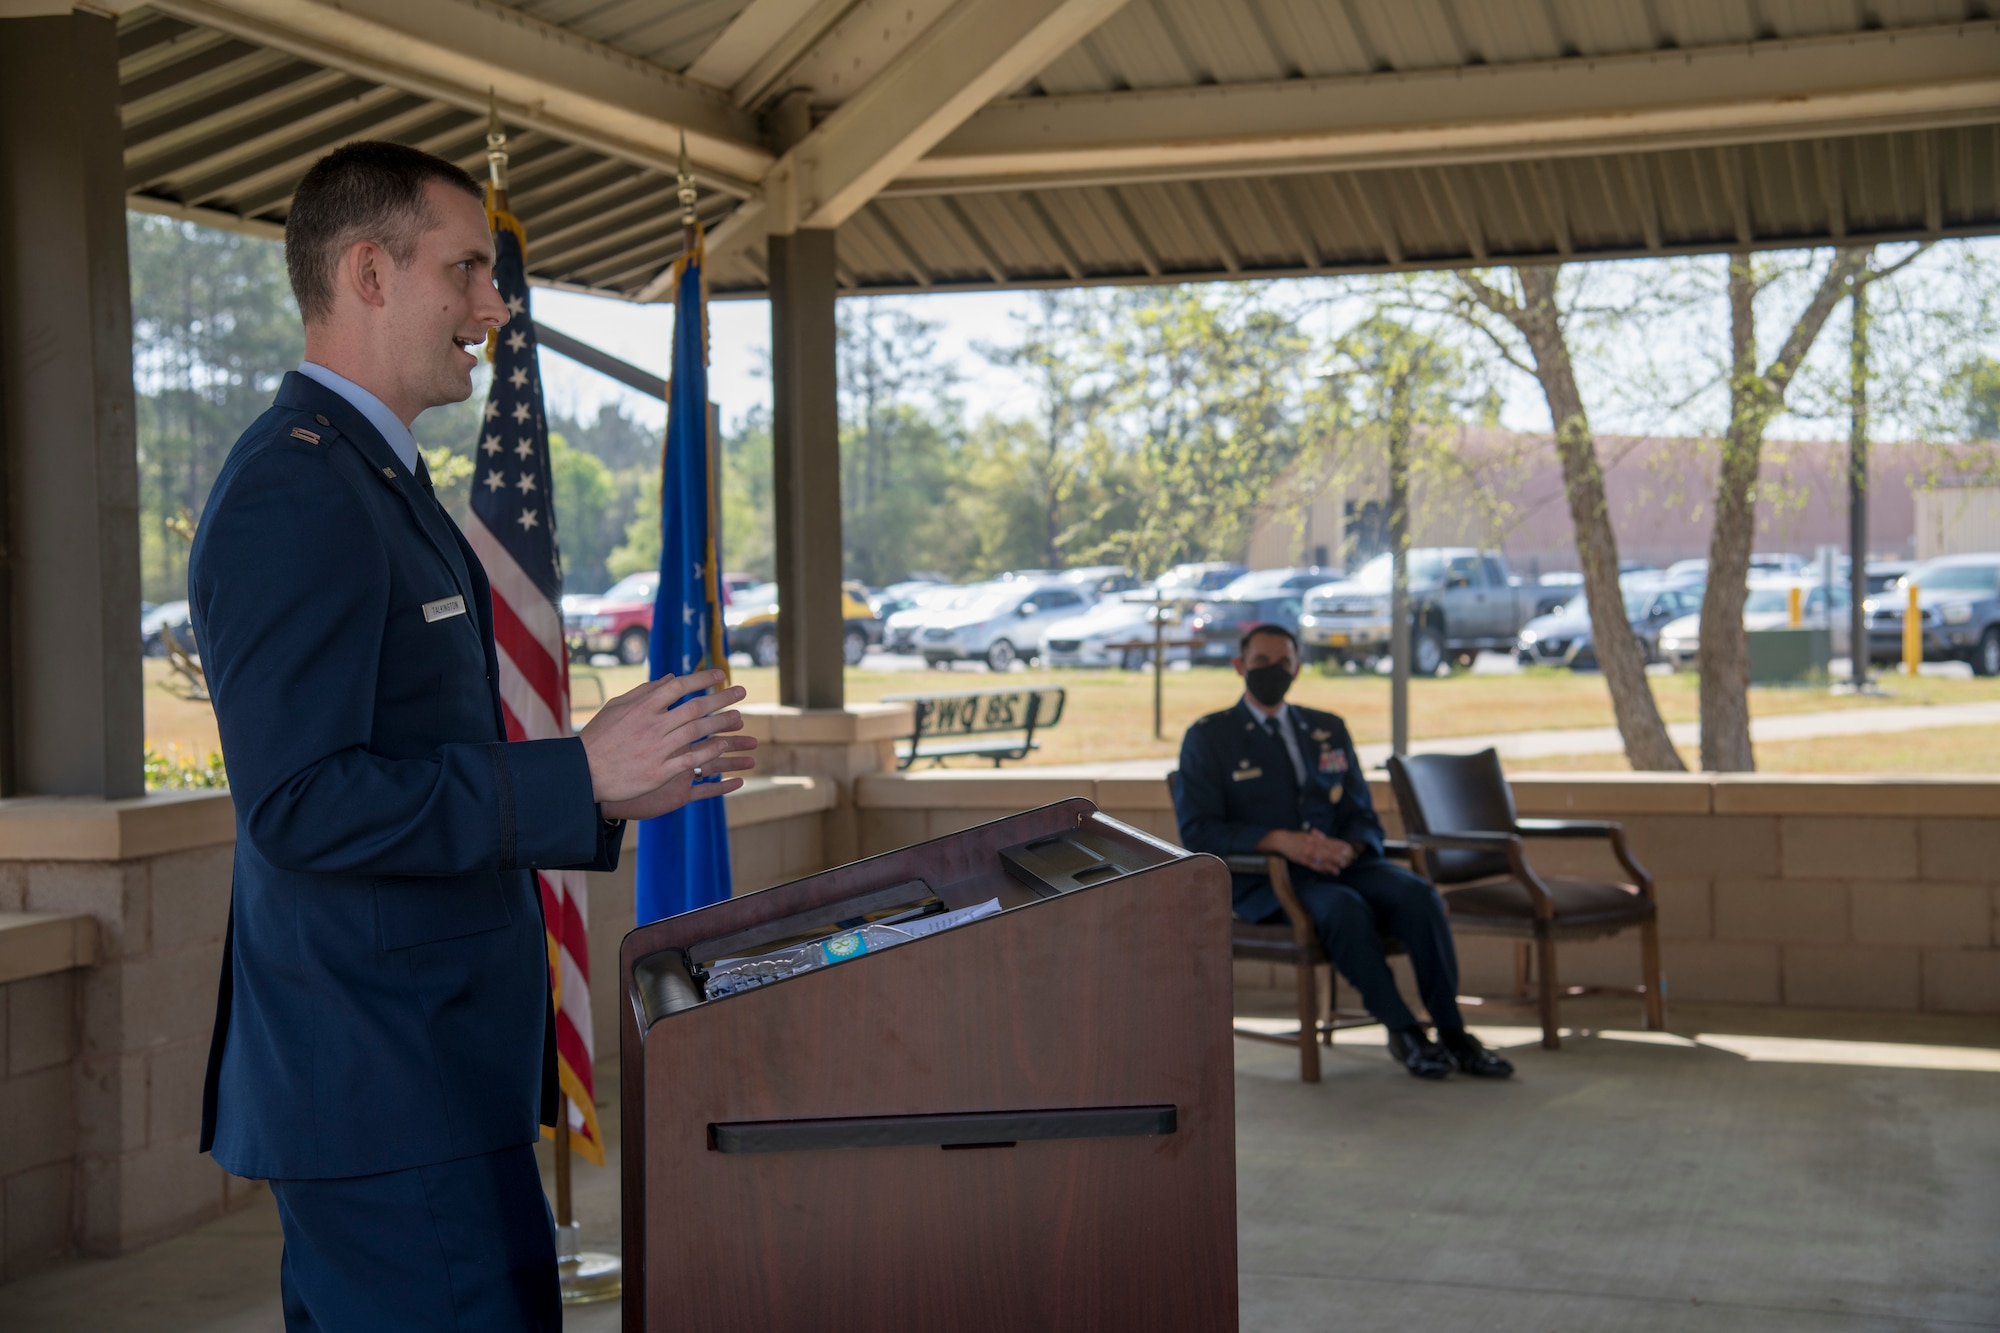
(368,405)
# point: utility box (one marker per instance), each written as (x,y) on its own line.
(1789,656)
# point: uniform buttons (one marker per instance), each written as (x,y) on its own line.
(322,421)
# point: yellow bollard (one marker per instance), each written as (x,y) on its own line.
(1795,606)
(1913,634)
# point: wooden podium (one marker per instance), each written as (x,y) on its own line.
(1022,1123)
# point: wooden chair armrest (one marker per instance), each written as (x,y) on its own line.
(1396,849)
(1279,872)
(1609,829)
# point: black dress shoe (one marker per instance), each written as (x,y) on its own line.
(1413,1049)
(1469,1057)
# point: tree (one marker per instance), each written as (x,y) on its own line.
(1531,308)
(898,437)
(1216,401)
(213,331)
(1060,350)
(1756,396)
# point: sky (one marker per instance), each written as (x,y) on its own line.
(1636,378)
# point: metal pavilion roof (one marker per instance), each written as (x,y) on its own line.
(971,144)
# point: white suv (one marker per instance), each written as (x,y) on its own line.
(1000,626)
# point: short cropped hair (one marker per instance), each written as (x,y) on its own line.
(1243,644)
(366,191)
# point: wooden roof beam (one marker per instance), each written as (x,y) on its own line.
(1853,83)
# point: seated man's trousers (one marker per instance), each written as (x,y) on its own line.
(1352,911)
(464,1245)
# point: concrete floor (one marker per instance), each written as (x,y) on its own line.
(1788,1171)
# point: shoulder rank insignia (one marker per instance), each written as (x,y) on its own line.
(301,433)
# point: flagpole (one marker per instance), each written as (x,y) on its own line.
(582,1277)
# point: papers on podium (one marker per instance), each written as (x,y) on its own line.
(727,976)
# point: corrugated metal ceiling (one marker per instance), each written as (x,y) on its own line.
(220,129)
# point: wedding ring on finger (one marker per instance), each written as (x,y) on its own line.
(697,770)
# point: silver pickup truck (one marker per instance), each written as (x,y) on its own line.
(1461,600)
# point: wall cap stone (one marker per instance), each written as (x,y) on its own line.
(766,800)
(970,789)
(1598,795)
(1916,795)
(83,828)
(781,724)
(34,944)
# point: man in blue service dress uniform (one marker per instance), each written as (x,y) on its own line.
(1268,776)
(384,1048)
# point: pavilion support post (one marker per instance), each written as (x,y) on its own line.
(1857,493)
(71,707)
(806,470)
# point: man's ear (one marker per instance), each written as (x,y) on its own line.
(366,270)
(1237,662)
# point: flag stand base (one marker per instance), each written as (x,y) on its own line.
(586,1276)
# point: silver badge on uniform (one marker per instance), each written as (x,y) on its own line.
(444,608)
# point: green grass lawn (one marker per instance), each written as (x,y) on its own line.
(1109,714)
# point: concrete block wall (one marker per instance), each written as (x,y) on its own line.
(1872,893)
(38,1041)
(143,1015)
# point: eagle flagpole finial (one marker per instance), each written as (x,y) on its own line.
(687,194)
(496,146)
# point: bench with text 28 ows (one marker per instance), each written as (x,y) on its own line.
(1294,944)
(1026,1122)
(992,724)
(1458,817)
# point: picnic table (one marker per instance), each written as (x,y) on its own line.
(996,724)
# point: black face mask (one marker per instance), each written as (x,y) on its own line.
(1267,684)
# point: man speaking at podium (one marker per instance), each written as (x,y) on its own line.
(384,1048)
(1268,776)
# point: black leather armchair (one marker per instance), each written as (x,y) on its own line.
(1459,821)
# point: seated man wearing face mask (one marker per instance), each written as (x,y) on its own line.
(1268,776)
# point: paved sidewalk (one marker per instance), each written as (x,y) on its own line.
(1749,1171)
(1605,740)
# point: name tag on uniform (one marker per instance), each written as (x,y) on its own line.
(1245,774)
(444,608)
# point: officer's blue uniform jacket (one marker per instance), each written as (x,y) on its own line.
(1237,784)
(385,995)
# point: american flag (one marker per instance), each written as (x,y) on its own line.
(513,528)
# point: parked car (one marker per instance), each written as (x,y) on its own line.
(1883,575)
(1959,599)
(1218,626)
(1000,626)
(1184,581)
(1461,600)
(1563,636)
(1767,605)
(1258,584)
(157,622)
(901,628)
(1099,580)
(1763,564)
(753,624)
(886,602)
(620,621)
(1094,638)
